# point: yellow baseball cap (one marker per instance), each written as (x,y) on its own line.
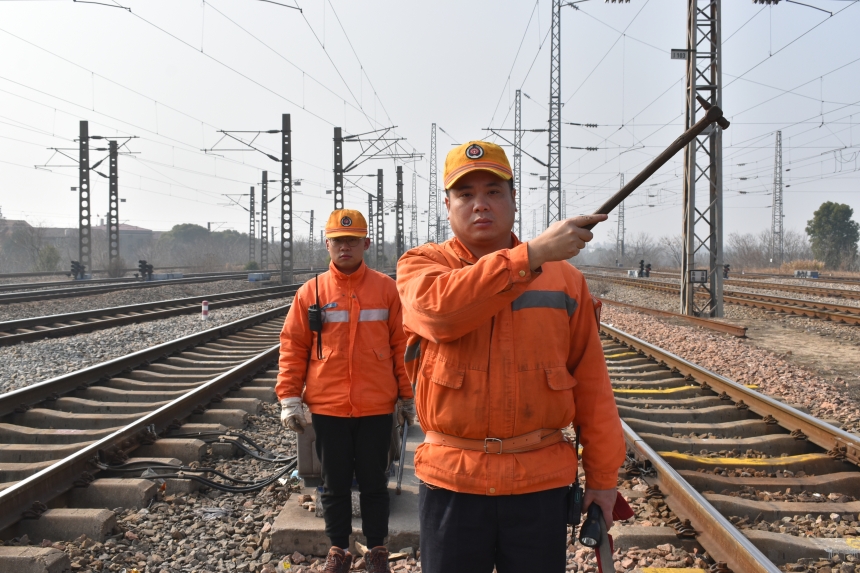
(346,223)
(476,155)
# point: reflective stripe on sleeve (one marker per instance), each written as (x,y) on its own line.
(336,316)
(545,299)
(373,314)
(413,351)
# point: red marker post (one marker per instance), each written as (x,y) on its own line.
(205,310)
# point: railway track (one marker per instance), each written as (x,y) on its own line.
(89,282)
(58,325)
(63,440)
(739,331)
(733,462)
(827,311)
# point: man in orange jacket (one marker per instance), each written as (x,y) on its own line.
(503,351)
(350,375)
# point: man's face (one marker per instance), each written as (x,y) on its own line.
(481,209)
(347,252)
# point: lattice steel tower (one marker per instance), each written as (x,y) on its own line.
(113,207)
(380,222)
(252,251)
(311,245)
(286,241)
(413,231)
(553,194)
(518,157)
(433,208)
(619,238)
(776,231)
(264,221)
(84,197)
(703,164)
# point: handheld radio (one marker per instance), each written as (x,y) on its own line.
(315,318)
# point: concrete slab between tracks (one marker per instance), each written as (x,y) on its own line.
(625,537)
(297,529)
(187,450)
(847,483)
(66,524)
(781,548)
(113,492)
(773,510)
(34,560)
(264,393)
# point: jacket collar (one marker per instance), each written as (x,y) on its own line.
(354,277)
(466,255)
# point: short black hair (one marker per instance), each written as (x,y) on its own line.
(510,184)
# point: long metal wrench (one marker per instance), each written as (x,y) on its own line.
(712,115)
(402,457)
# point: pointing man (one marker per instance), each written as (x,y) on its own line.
(350,382)
(504,352)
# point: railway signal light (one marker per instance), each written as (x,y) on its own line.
(726,269)
(642,268)
(648,270)
(76,270)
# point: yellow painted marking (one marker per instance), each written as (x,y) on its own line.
(852,542)
(745,461)
(752,386)
(654,391)
(622,354)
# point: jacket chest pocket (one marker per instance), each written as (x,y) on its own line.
(559,378)
(443,373)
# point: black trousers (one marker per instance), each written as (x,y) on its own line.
(465,533)
(359,447)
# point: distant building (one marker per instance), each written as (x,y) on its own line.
(131,239)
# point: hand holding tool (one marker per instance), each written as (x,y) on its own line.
(402,457)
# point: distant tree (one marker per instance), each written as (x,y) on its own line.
(252,266)
(833,235)
(48,258)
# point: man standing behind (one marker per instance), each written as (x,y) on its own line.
(350,375)
(504,352)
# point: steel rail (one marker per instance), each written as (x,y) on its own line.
(60,477)
(89,282)
(826,311)
(739,331)
(119,315)
(835,441)
(715,533)
(22,399)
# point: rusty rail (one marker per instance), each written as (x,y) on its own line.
(739,331)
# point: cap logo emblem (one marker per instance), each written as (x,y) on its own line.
(474,151)
(346,222)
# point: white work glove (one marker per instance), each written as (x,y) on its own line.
(293,415)
(405,411)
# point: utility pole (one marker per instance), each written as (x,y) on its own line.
(380,222)
(338,169)
(433,208)
(398,210)
(286,246)
(264,222)
(619,238)
(252,255)
(311,243)
(703,164)
(554,199)
(84,211)
(113,207)
(518,174)
(776,232)
(413,231)
(370,230)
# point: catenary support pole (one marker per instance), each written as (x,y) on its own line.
(398,210)
(114,261)
(84,196)
(703,166)
(777,237)
(252,231)
(518,156)
(286,241)
(311,243)
(380,222)
(338,169)
(433,206)
(413,231)
(554,199)
(619,237)
(264,222)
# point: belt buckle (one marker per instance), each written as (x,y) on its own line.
(492,440)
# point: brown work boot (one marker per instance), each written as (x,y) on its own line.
(337,561)
(377,560)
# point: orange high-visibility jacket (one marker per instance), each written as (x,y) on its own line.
(497,351)
(361,372)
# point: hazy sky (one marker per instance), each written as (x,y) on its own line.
(174,72)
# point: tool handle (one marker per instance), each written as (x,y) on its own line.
(713,115)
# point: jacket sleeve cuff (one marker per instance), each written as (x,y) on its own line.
(521,272)
(601,480)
